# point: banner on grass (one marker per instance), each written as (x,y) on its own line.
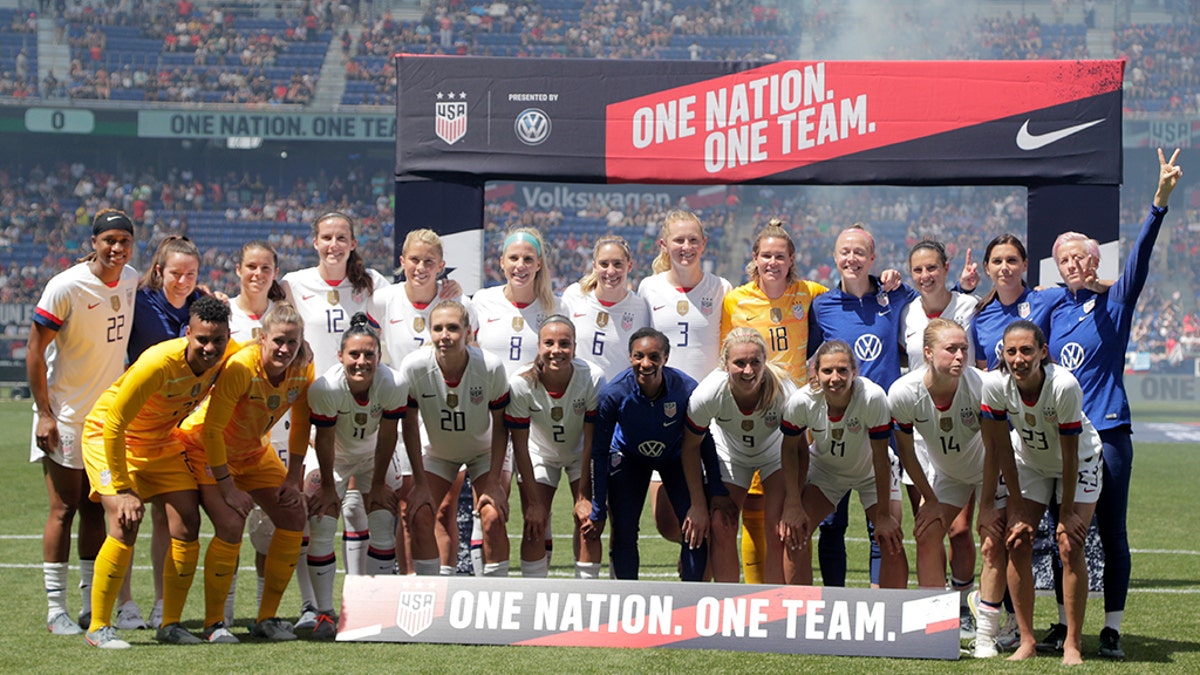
(631,614)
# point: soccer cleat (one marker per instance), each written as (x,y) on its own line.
(1010,634)
(156,616)
(1110,644)
(61,624)
(307,620)
(326,628)
(273,629)
(129,617)
(1052,641)
(105,637)
(983,647)
(966,624)
(176,634)
(218,634)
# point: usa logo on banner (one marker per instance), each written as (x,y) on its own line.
(451,120)
(414,611)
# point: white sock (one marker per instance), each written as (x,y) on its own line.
(54,574)
(499,569)
(87,568)
(1062,614)
(987,621)
(427,568)
(446,570)
(587,570)
(355,536)
(1113,620)
(230,600)
(381,550)
(322,564)
(538,569)
(477,544)
(261,583)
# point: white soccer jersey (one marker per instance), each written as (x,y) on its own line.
(913,321)
(751,437)
(327,309)
(1058,411)
(508,332)
(690,319)
(602,331)
(555,423)
(91,322)
(403,326)
(244,327)
(953,443)
(841,446)
(356,422)
(457,415)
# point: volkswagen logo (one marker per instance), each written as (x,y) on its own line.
(868,347)
(532,126)
(652,448)
(1071,356)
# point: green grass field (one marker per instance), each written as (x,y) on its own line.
(1161,630)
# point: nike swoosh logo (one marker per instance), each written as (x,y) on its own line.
(722,419)
(93,306)
(395,321)
(578,314)
(307,297)
(667,424)
(428,395)
(1027,141)
(533,410)
(659,307)
(492,320)
(921,421)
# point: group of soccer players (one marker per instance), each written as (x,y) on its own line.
(767,404)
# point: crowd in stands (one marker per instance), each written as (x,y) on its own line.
(1161,74)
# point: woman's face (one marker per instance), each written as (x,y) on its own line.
(447,329)
(556,346)
(835,373)
(928,271)
(257,271)
(280,345)
(179,274)
(611,266)
(684,244)
(948,353)
(360,357)
(1005,266)
(1075,263)
(520,264)
(422,264)
(773,260)
(853,254)
(1022,355)
(746,363)
(647,356)
(113,248)
(334,242)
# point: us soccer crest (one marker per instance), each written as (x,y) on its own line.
(771,419)
(450,120)
(969,417)
(776,315)
(414,611)
(669,409)
(706,306)
(1023,309)
(602,319)
(946,424)
(419,324)
(518,323)
(1050,414)
(577,406)
(626,320)
(333,297)
(293,394)
(798,311)
(682,307)
(273,401)
(115,301)
(854,425)
(476,395)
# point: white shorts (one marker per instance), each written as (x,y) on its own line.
(835,486)
(921,448)
(549,470)
(739,470)
(68,454)
(361,468)
(957,493)
(447,469)
(1038,487)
